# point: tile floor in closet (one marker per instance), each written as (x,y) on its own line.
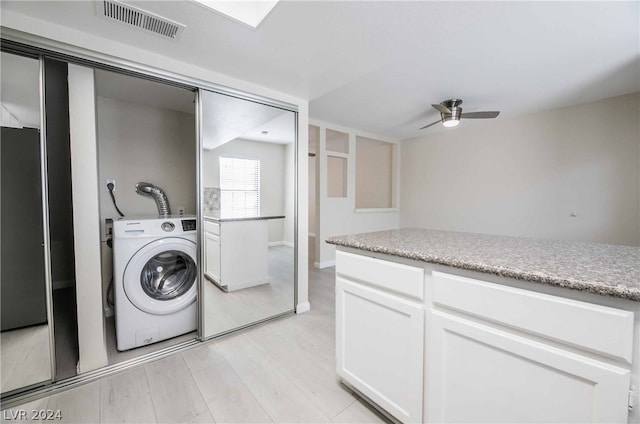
(281,371)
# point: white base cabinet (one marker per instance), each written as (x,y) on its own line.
(503,354)
(460,349)
(237,253)
(380,332)
(480,374)
(212,256)
(379,340)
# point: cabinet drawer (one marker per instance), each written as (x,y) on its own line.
(212,227)
(600,329)
(391,276)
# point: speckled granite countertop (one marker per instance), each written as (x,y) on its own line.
(602,269)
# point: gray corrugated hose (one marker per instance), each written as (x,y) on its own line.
(150,190)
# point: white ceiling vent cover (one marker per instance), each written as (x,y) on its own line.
(137,17)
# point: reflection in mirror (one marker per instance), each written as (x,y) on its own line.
(25,336)
(248,175)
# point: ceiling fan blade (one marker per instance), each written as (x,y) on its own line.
(481,115)
(441,109)
(431,124)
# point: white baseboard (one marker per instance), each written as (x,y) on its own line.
(303,307)
(247,284)
(280,243)
(322,265)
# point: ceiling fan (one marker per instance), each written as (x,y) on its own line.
(451,113)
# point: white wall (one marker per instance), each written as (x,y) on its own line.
(525,176)
(272,176)
(302,239)
(86,231)
(141,143)
(337,215)
(289,194)
(312,195)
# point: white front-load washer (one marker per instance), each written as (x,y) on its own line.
(155,279)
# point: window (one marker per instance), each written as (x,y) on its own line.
(239,187)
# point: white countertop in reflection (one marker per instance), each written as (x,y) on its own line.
(217,217)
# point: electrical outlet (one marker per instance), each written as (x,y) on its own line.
(110,182)
(108,227)
(181,210)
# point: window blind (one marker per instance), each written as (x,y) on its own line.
(239,187)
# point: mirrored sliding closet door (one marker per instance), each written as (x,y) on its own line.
(26,326)
(247,208)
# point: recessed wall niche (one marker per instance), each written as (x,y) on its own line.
(374,173)
(337,141)
(336,176)
(337,147)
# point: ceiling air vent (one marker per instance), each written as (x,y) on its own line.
(137,17)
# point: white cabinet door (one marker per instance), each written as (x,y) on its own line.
(478,373)
(379,347)
(212,257)
(244,257)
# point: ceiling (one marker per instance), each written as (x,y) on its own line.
(145,92)
(226,118)
(378,66)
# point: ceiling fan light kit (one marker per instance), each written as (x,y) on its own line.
(451,113)
(450,121)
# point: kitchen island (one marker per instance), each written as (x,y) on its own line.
(439,326)
(236,250)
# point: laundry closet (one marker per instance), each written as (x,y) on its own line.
(146,132)
(116,149)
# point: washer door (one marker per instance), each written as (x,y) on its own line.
(160,277)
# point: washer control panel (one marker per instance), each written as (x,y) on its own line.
(188,225)
(168,226)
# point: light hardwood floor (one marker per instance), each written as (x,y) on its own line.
(280,371)
(225,311)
